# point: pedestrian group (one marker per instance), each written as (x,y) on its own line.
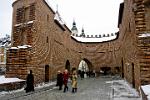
(62,80)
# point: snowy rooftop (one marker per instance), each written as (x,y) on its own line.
(9,80)
(103,39)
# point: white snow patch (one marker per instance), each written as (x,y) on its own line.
(144,35)
(22,47)
(29,22)
(42,85)
(28,46)
(18,24)
(121,89)
(148,97)
(146,90)
(103,39)
(9,80)
(13,48)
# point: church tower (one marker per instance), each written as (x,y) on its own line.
(82,33)
(74,29)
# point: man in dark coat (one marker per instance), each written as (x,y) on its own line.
(59,80)
(30,82)
(65,80)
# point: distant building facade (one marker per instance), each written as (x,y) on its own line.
(4,45)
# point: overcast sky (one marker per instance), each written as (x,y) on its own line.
(96,16)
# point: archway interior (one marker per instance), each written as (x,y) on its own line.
(85,65)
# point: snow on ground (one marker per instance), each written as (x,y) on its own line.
(146,90)
(42,85)
(122,90)
(4,80)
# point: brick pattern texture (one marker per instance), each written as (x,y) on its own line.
(52,47)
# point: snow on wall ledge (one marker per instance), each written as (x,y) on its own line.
(21,47)
(144,35)
(4,80)
(104,39)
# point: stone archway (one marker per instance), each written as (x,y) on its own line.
(85,66)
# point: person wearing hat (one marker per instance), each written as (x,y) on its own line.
(59,80)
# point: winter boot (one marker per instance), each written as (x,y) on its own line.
(75,90)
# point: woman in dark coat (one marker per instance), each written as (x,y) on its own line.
(59,80)
(30,82)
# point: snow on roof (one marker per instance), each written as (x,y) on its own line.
(9,80)
(23,47)
(18,24)
(144,35)
(29,22)
(13,48)
(146,89)
(28,46)
(103,39)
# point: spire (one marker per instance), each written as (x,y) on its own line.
(74,23)
(57,8)
(74,29)
(82,30)
(82,33)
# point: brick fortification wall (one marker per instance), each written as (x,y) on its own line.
(134,25)
(46,45)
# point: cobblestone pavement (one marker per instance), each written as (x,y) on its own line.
(88,89)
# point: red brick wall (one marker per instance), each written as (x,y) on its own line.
(135,49)
(52,45)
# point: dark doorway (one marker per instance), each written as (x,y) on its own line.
(122,69)
(47,76)
(67,66)
(106,70)
(133,78)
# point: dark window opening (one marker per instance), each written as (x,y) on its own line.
(47,39)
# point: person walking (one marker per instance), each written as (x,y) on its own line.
(59,80)
(65,80)
(74,82)
(29,82)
